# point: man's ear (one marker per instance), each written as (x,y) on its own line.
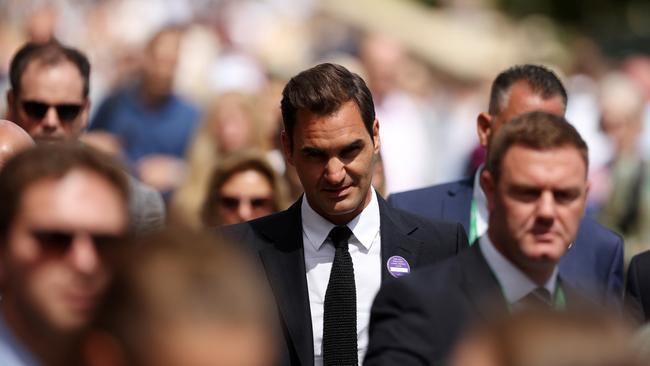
(85,114)
(286,147)
(488,185)
(375,135)
(484,128)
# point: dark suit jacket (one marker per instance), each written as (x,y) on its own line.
(278,240)
(594,265)
(637,290)
(418,320)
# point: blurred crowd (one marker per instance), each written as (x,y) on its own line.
(186,95)
(178,87)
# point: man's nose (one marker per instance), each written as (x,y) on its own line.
(245,210)
(546,206)
(84,255)
(334,171)
(51,119)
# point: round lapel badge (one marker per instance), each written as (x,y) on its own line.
(398,266)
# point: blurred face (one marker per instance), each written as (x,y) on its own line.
(622,127)
(232,127)
(51,105)
(536,205)
(521,99)
(245,196)
(160,65)
(334,159)
(53,266)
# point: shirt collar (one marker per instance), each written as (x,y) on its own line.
(482,215)
(514,283)
(365,226)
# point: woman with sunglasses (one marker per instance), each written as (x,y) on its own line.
(244,187)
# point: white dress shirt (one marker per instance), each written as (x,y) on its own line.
(365,250)
(514,283)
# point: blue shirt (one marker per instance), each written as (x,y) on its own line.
(12,351)
(164,128)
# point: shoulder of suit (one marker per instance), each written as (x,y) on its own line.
(595,232)
(432,192)
(425,222)
(274,222)
(641,260)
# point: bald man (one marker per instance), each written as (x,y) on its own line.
(12,140)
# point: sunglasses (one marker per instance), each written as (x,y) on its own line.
(60,241)
(233,203)
(38,110)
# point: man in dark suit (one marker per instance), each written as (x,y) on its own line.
(637,289)
(331,136)
(535,183)
(594,264)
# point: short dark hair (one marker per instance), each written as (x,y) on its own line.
(53,160)
(322,90)
(237,163)
(535,130)
(49,53)
(539,78)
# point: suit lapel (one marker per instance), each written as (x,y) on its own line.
(457,204)
(480,285)
(396,239)
(575,298)
(285,267)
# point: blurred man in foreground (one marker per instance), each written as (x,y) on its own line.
(533,338)
(49,99)
(13,139)
(183,298)
(535,183)
(64,209)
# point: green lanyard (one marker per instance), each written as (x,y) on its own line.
(472,223)
(559,299)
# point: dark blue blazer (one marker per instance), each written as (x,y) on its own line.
(593,265)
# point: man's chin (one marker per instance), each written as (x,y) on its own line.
(341,212)
(544,258)
(72,322)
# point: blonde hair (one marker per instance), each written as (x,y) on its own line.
(205,154)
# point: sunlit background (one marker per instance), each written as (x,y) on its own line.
(428,63)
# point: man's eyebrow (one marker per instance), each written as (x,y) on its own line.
(354,144)
(311,150)
(524,186)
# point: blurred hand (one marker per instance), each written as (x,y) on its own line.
(105,142)
(162,172)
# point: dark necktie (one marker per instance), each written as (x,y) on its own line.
(340,309)
(540,298)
